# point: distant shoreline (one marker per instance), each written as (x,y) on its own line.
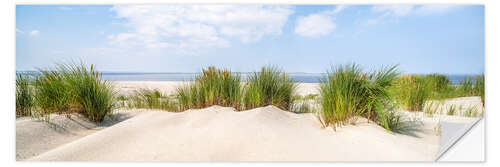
(300,77)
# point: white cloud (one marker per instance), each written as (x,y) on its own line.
(397,11)
(393,10)
(65,8)
(339,8)
(191,26)
(317,24)
(434,9)
(35,33)
(19,31)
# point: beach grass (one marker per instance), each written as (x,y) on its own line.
(269,86)
(451,110)
(151,99)
(213,87)
(346,92)
(53,94)
(412,91)
(72,88)
(479,87)
(440,87)
(24,96)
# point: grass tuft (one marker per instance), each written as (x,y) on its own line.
(412,91)
(270,86)
(151,99)
(24,96)
(347,92)
(213,87)
(72,88)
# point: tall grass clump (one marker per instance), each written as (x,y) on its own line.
(466,87)
(151,99)
(440,86)
(346,92)
(24,96)
(96,96)
(213,87)
(72,88)
(438,82)
(479,86)
(270,86)
(53,93)
(471,87)
(412,91)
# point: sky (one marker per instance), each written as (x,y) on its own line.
(422,39)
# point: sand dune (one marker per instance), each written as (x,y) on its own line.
(223,134)
(262,134)
(34,136)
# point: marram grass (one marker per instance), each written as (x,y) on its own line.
(72,88)
(24,96)
(212,87)
(151,99)
(270,86)
(346,92)
(412,91)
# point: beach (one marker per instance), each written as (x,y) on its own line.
(224,134)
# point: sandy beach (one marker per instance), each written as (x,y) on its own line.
(224,134)
(169,87)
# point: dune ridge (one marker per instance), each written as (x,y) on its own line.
(224,134)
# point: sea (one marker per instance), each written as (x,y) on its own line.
(141,76)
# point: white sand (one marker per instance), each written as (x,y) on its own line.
(221,134)
(34,136)
(262,134)
(169,87)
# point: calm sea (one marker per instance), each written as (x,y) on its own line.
(298,77)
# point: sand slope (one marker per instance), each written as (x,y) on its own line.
(34,136)
(262,134)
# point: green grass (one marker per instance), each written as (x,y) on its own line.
(430,108)
(412,91)
(151,99)
(451,110)
(213,87)
(72,88)
(24,96)
(440,87)
(479,87)
(53,93)
(395,122)
(270,86)
(472,111)
(347,92)
(465,87)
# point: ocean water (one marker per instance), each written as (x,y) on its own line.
(298,77)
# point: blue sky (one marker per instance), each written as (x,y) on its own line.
(298,38)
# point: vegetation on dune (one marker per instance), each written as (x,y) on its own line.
(412,91)
(440,87)
(270,86)
(53,94)
(478,89)
(95,96)
(347,92)
(24,96)
(213,87)
(151,99)
(72,88)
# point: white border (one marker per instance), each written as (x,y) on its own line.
(7,10)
